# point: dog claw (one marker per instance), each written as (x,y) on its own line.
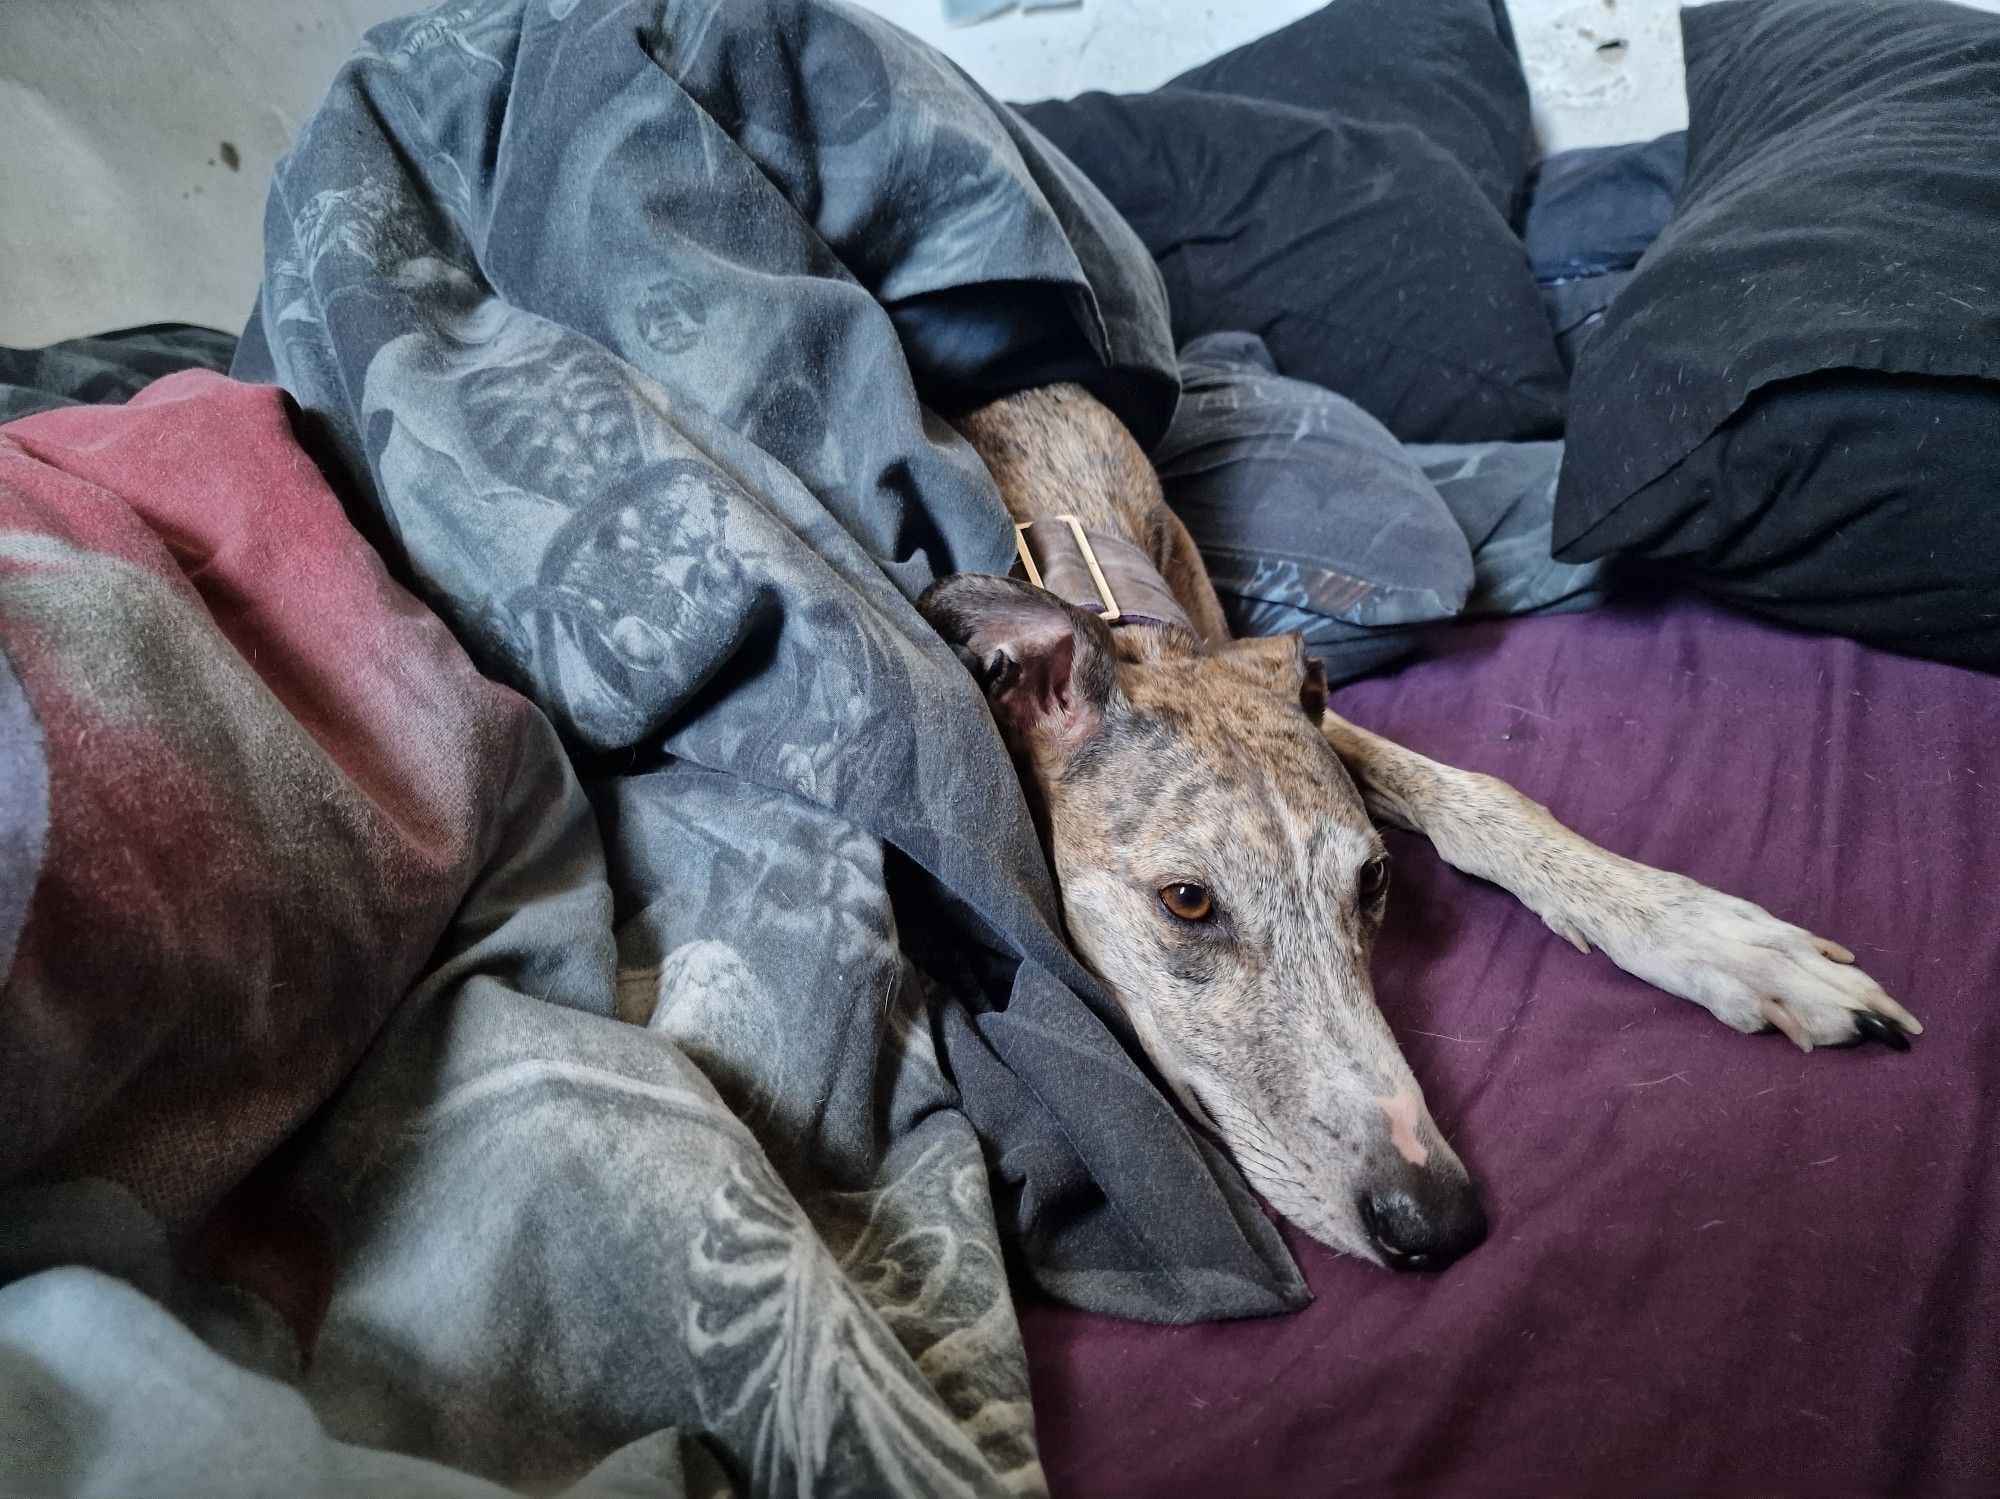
(1910,1024)
(1832,950)
(1787,1022)
(1572,936)
(1868,1026)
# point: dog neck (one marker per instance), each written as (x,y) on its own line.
(1098,571)
(1054,452)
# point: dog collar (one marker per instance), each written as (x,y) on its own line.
(1096,571)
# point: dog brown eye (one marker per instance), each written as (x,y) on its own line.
(1189,902)
(1374,878)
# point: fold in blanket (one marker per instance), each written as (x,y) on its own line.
(595,301)
(284,842)
(620,329)
(252,839)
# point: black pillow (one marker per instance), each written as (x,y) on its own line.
(1446,68)
(1364,255)
(1797,396)
(1851,501)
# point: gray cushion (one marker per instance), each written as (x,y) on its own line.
(1309,514)
(1503,496)
(1312,517)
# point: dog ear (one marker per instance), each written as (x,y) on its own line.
(1280,662)
(1048,668)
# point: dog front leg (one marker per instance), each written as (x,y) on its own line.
(1736,960)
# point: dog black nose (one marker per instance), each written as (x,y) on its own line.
(1424,1221)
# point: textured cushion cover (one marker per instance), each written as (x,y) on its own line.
(1841,214)
(1600,208)
(1364,254)
(1718,1267)
(1591,214)
(1308,514)
(1576,310)
(1503,497)
(1311,517)
(107,368)
(1446,68)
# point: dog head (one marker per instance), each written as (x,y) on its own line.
(1219,873)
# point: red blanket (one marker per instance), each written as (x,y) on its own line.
(259,750)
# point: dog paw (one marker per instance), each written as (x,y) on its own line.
(1745,966)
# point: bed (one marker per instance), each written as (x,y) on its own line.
(1717,1266)
(621,1038)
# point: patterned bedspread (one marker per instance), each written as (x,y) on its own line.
(619,330)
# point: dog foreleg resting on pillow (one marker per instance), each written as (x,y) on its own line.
(1734,959)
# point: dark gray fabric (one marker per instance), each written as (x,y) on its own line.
(1598,209)
(590,301)
(1591,214)
(107,367)
(1503,497)
(1308,513)
(1576,310)
(119,1376)
(24,809)
(1311,517)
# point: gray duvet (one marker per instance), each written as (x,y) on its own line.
(618,324)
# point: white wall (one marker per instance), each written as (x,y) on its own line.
(117,201)
(1602,71)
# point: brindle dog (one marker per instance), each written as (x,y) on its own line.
(1208,821)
